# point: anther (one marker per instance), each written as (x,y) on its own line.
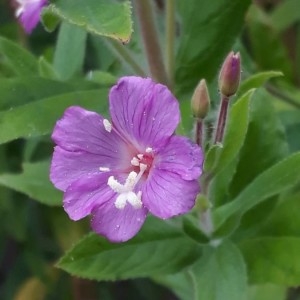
(107,125)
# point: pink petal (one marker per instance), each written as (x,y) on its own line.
(115,224)
(166,194)
(144,112)
(67,167)
(83,130)
(31,14)
(88,192)
(181,156)
(84,147)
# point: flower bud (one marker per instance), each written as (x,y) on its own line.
(230,74)
(200,101)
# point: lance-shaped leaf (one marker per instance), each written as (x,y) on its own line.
(273,181)
(38,118)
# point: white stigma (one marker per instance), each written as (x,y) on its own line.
(140,156)
(107,125)
(104,169)
(126,190)
(149,150)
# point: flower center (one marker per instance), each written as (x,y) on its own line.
(141,165)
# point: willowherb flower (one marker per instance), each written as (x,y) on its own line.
(28,12)
(120,170)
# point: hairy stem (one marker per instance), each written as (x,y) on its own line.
(170,39)
(124,54)
(222,119)
(150,39)
(199,132)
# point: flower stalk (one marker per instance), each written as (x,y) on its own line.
(170,39)
(151,42)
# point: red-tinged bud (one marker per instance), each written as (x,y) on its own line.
(200,103)
(230,74)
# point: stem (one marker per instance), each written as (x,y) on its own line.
(222,119)
(150,39)
(170,39)
(206,223)
(199,132)
(125,55)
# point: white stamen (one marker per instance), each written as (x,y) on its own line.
(121,200)
(115,185)
(107,125)
(104,169)
(125,191)
(131,180)
(140,156)
(135,162)
(149,150)
(135,199)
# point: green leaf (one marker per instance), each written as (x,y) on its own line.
(257,80)
(260,150)
(69,51)
(19,60)
(226,159)
(267,292)
(235,132)
(284,219)
(273,181)
(220,274)
(46,70)
(22,90)
(38,118)
(208,34)
(34,182)
(101,17)
(273,260)
(145,255)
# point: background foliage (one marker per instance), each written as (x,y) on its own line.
(73,58)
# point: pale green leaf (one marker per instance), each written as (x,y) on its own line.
(69,51)
(273,260)
(257,80)
(101,17)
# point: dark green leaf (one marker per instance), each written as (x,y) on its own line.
(107,18)
(158,249)
(209,32)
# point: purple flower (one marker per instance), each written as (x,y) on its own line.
(120,170)
(28,11)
